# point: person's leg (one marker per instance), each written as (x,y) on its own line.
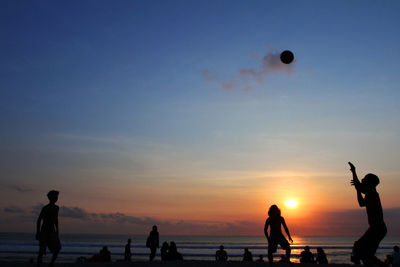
(270,256)
(152,253)
(288,251)
(39,258)
(42,251)
(54,257)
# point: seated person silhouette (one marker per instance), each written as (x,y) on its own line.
(321,256)
(275,238)
(47,232)
(173,254)
(164,251)
(247,256)
(306,255)
(396,257)
(104,255)
(128,253)
(260,259)
(364,249)
(221,254)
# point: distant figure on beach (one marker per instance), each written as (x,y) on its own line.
(47,232)
(247,256)
(396,257)
(221,254)
(306,255)
(321,256)
(275,238)
(152,242)
(173,254)
(260,259)
(128,253)
(364,248)
(164,251)
(104,255)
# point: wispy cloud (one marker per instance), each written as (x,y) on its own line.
(209,76)
(270,63)
(13,209)
(19,188)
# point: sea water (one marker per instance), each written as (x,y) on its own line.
(24,247)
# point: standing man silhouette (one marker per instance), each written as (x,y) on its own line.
(275,238)
(364,248)
(47,232)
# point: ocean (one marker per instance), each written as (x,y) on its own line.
(23,246)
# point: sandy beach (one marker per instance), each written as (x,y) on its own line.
(194,263)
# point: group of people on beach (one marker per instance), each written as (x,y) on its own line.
(364,249)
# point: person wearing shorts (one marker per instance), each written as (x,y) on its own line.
(47,232)
(364,249)
(275,237)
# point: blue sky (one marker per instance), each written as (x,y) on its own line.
(105,93)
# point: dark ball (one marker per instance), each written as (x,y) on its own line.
(287,57)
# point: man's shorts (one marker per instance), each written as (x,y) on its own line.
(275,240)
(49,240)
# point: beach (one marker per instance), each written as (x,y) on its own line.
(189,263)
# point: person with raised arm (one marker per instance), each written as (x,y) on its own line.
(364,249)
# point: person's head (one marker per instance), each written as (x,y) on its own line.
(129,241)
(261,257)
(274,211)
(154,228)
(307,248)
(320,250)
(396,248)
(221,247)
(370,180)
(165,244)
(246,250)
(172,246)
(53,196)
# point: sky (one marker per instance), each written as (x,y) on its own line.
(179,113)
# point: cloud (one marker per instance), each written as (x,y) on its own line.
(270,63)
(19,188)
(13,209)
(209,76)
(229,86)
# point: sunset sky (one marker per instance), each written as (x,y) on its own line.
(179,113)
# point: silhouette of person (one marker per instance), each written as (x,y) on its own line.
(47,232)
(153,242)
(247,256)
(321,256)
(221,254)
(275,238)
(364,248)
(164,251)
(396,257)
(306,255)
(128,253)
(104,255)
(173,254)
(260,259)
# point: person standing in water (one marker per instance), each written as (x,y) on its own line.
(47,232)
(364,248)
(275,238)
(153,242)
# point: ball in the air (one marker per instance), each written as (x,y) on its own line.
(287,57)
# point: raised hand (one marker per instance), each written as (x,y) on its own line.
(352,167)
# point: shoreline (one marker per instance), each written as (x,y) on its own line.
(184,263)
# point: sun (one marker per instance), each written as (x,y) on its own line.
(291,203)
